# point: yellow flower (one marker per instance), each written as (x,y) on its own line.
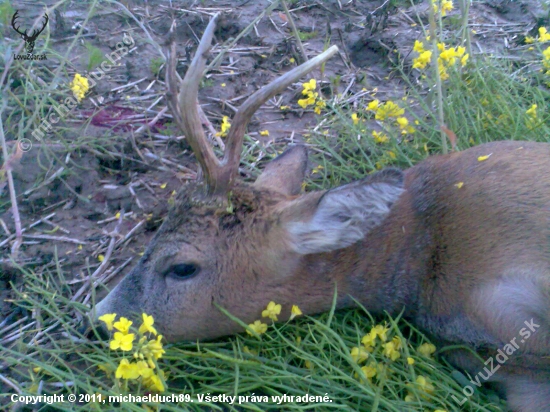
(380,331)
(544,36)
(464,59)
(295,311)
(380,137)
(122,341)
(224,127)
(154,383)
(410,361)
(483,158)
(388,110)
(108,319)
(402,122)
(147,325)
(546,60)
(143,369)
(257,327)
(264,132)
(272,311)
(303,103)
(369,340)
(446,5)
(422,384)
(223,85)
(397,342)
(442,70)
(123,325)
(422,60)
(359,354)
(309,86)
(101,258)
(79,86)
(319,105)
(354,118)
(532,111)
(369,371)
(373,105)
(425,384)
(391,349)
(419,47)
(448,56)
(127,370)
(154,348)
(426,349)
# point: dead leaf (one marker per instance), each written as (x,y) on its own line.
(451,135)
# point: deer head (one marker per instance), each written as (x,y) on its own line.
(237,245)
(29,40)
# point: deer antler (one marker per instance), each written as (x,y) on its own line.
(184,108)
(13,19)
(220,176)
(36,32)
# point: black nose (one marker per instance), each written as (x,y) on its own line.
(93,329)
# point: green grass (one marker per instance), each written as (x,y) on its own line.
(309,355)
(48,354)
(488,101)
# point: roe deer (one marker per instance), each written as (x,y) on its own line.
(469,264)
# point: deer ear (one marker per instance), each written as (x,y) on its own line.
(286,172)
(341,216)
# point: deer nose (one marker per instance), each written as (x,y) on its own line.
(93,329)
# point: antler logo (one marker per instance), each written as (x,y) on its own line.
(29,40)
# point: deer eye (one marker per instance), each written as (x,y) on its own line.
(183,271)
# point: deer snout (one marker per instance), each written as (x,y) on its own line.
(119,302)
(100,309)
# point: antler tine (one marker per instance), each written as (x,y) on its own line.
(13,19)
(235,136)
(36,32)
(172,79)
(189,119)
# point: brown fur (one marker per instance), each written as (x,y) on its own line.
(469,265)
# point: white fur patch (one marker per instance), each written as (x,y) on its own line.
(505,306)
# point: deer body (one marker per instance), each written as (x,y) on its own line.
(459,242)
(469,265)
